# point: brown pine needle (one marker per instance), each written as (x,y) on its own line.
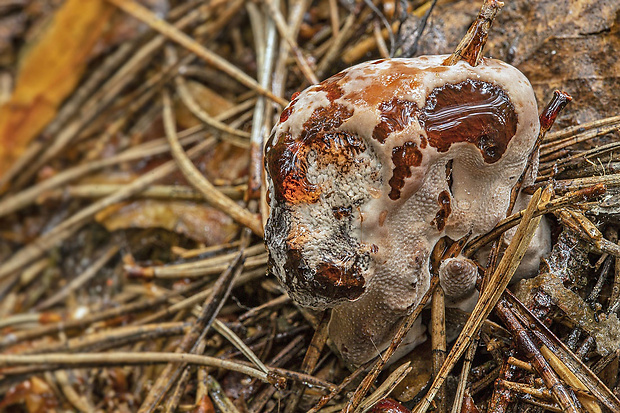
(146,16)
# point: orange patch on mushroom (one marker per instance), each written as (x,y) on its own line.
(287,160)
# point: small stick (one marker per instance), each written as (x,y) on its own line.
(471,46)
(195,269)
(283,356)
(524,365)
(334,17)
(285,32)
(199,297)
(110,338)
(526,389)
(79,402)
(338,43)
(579,129)
(438,339)
(461,391)
(262,118)
(62,361)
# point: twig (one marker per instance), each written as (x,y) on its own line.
(471,46)
(286,34)
(438,339)
(61,361)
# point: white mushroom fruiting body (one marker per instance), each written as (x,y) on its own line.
(370,168)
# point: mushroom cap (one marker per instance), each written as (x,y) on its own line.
(368,169)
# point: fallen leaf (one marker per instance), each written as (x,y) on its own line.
(194,220)
(49,73)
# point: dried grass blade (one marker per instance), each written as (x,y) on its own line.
(236,341)
(63,360)
(386,387)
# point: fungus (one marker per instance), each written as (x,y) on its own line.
(367,170)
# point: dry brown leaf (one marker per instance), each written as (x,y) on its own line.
(209,100)
(194,220)
(49,73)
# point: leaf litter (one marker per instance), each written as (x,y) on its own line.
(109,255)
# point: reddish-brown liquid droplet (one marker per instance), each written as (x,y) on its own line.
(444,210)
(471,111)
(404,158)
(396,115)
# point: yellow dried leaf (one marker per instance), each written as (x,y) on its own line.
(49,73)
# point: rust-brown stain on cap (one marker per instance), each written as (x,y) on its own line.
(287,160)
(471,111)
(404,158)
(395,115)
